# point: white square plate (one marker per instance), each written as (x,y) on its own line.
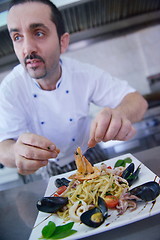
(143,210)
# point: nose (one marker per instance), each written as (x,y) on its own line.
(29,46)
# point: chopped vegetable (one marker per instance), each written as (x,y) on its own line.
(111,201)
(109,167)
(60,190)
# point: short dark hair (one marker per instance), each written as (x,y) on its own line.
(56,16)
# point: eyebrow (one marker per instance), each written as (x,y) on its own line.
(32,26)
(13,30)
(36,25)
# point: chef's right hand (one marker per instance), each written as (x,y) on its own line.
(32,152)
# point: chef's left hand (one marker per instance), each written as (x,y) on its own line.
(110,124)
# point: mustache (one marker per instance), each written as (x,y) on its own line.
(31,57)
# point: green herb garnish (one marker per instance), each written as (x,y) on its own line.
(122,163)
(51,231)
(108,193)
(48,230)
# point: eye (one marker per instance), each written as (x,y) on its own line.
(17,38)
(39,34)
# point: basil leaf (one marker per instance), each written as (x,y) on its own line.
(63,228)
(48,230)
(122,163)
(61,235)
(128,160)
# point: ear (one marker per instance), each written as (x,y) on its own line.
(64,42)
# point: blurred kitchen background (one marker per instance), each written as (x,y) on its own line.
(119,36)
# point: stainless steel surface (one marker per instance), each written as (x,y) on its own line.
(10,178)
(18,210)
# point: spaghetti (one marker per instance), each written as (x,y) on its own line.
(83,195)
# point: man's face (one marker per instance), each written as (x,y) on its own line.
(35,38)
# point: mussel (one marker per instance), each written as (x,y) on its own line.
(95,216)
(103,207)
(147,191)
(130,175)
(51,204)
(59,182)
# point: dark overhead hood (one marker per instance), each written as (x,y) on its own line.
(89,18)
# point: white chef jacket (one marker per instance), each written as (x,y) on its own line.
(61,115)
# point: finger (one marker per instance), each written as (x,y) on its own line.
(30,152)
(131,134)
(22,172)
(113,129)
(102,123)
(124,130)
(29,166)
(92,142)
(101,129)
(38,141)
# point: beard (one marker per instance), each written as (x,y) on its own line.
(37,73)
(35,66)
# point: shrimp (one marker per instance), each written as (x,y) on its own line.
(85,170)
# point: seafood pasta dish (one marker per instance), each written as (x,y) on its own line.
(88,184)
(88,193)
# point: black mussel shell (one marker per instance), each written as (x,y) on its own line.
(92,218)
(51,204)
(59,182)
(134,176)
(103,207)
(95,216)
(130,175)
(128,171)
(147,191)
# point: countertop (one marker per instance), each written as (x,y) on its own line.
(18,209)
